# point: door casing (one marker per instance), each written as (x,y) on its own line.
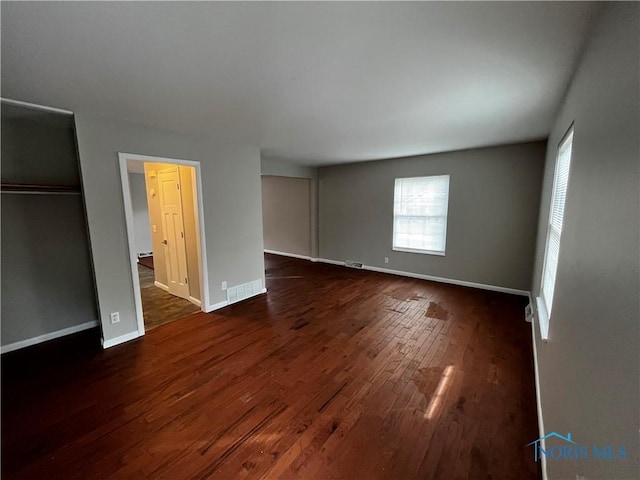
(128,208)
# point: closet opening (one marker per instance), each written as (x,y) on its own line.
(48,284)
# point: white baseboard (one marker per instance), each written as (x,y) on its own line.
(451,281)
(161,285)
(332,262)
(112,342)
(195,301)
(421,276)
(543,458)
(216,306)
(285,254)
(48,336)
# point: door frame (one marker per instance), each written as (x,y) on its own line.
(200,227)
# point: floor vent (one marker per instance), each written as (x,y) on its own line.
(243,291)
(352,264)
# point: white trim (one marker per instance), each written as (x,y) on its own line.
(35,106)
(216,306)
(543,318)
(542,302)
(543,458)
(128,210)
(195,301)
(284,254)
(161,286)
(48,336)
(121,339)
(446,216)
(196,207)
(133,260)
(204,287)
(431,278)
(331,262)
(462,283)
(416,250)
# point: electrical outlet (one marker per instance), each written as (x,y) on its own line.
(386,259)
(115,317)
(224,285)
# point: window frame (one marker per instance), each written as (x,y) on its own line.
(544,310)
(395,248)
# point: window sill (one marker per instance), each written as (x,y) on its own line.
(413,250)
(543,319)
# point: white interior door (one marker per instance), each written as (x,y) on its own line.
(173,231)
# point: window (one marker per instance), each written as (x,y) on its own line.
(420,214)
(554,231)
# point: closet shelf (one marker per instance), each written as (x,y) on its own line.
(21,188)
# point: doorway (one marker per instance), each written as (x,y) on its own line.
(165,230)
(287,216)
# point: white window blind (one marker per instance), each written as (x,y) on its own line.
(420,214)
(556,217)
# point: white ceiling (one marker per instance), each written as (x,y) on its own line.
(315,83)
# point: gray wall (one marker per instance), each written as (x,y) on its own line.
(232,209)
(47,282)
(140,213)
(281,168)
(493,212)
(589,367)
(286,214)
(38,147)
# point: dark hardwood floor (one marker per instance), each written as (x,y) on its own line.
(146,261)
(158,306)
(335,373)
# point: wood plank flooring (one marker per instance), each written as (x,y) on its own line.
(146,261)
(334,374)
(158,306)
